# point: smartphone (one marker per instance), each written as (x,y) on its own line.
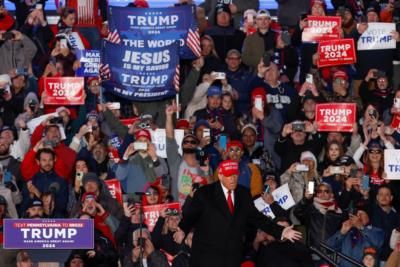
(258,103)
(222,141)
(195,186)
(396,102)
(114,105)
(140,146)
(7,177)
(267,59)
(301,168)
(337,170)
(63,43)
(39,6)
(285,36)
(250,18)
(309,78)
(298,126)
(220,75)
(21,71)
(353,173)
(310,187)
(79,177)
(266,189)
(206,133)
(365,182)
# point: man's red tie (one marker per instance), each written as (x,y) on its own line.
(230,202)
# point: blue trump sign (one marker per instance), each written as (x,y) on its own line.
(90,63)
(141,74)
(156,27)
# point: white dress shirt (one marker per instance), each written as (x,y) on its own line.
(226,194)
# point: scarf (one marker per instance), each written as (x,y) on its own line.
(325,205)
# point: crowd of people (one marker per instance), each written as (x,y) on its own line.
(247,110)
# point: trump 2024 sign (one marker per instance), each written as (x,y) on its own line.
(335,117)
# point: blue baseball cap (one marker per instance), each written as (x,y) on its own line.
(201,123)
(214,90)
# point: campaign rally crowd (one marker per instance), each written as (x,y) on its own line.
(248,109)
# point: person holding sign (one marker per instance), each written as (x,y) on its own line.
(340,94)
(317,8)
(232,208)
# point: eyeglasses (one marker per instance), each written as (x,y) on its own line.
(323,191)
(233,58)
(151,193)
(235,150)
(374,151)
(192,142)
(339,81)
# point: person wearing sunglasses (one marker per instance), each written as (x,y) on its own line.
(186,168)
(320,213)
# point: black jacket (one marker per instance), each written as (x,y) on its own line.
(320,226)
(218,235)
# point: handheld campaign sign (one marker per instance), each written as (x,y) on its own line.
(159,139)
(114,186)
(142,28)
(321,28)
(392,164)
(377,36)
(152,212)
(336,52)
(64,91)
(141,74)
(336,117)
(48,233)
(281,195)
(90,63)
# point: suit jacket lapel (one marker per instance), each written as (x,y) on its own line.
(222,204)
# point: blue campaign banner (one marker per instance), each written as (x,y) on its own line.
(90,63)
(141,74)
(154,27)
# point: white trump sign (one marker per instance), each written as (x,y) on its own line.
(392,164)
(377,36)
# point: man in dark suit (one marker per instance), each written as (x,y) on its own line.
(219,214)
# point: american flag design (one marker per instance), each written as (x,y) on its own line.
(104,71)
(85,11)
(177,77)
(193,41)
(113,37)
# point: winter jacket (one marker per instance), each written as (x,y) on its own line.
(289,11)
(16,54)
(165,241)
(49,182)
(297,184)
(225,39)
(240,80)
(285,144)
(368,236)
(320,226)
(254,47)
(65,164)
(386,221)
